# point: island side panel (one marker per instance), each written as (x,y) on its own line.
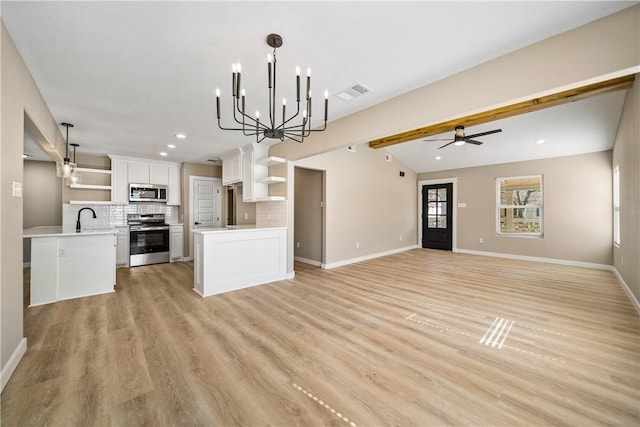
(86,265)
(239,259)
(44,270)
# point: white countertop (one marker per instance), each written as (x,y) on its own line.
(60,231)
(236,228)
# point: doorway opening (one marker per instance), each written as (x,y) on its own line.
(309,216)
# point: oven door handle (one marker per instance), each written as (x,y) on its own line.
(160,228)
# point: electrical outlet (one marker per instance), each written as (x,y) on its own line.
(357,245)
(480,240)
(621,261)
(246,215)
(401,237)
(61,252)
(298,245)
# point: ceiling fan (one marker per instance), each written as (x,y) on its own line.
(460,138)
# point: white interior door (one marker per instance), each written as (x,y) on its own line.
(206,203)
(205,197)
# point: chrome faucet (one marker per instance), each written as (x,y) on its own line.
(78,221)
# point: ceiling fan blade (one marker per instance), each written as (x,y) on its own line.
(441,139)
(447,144)
(484,133)
(471,141)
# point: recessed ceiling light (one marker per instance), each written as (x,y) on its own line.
(25,155)
(181,135)
(171,146)
(540,141)
(162,153)
(438,158)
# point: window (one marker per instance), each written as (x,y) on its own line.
(616,206)
(519,205)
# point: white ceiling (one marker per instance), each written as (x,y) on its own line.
(130,75)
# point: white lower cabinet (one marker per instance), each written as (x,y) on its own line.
(122,247)
(177,242)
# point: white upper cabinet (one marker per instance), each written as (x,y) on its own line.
(126,170)
(119,181)
(139,172)
(174,188)
(232,167)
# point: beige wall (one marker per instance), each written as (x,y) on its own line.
(42,198)
(308,214)
(626,155)
(602,49)
(193,169)
(577,193)
(19,95)
(367,202)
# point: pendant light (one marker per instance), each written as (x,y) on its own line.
(74,176)
(65,170)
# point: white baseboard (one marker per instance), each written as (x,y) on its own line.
(632,297)
(291,275)
(187,258)
(12,364)
(367,257)
(308,261)
(537,259)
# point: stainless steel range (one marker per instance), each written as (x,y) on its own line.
(148,239)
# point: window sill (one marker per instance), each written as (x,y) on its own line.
(521,235)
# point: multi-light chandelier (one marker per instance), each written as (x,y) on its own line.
(271,127)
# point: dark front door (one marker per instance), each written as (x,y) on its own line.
(437,221)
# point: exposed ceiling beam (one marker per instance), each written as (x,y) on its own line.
(535,104)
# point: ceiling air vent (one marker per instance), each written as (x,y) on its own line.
(353,92)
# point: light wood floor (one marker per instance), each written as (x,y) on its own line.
(422,338)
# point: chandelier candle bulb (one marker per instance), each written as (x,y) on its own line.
(326,104)
(308,83)
(218,103)
(239,68)
(284,111)
(233,80)
(243,93)
(269,61)
(298,83)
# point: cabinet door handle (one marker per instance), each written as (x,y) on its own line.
(196,223)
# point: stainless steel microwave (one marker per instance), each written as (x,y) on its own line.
(147,193)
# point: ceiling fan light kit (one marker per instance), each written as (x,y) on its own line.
(460,138)
(268,128)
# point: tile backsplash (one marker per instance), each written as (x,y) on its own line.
(271,214)
(113,215)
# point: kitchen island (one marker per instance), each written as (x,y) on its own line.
(66,264)
(227,259)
